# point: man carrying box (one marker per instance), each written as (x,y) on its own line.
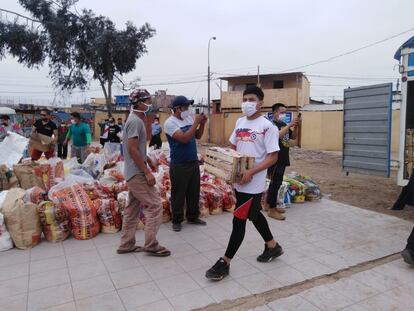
(257,137)
(42,133)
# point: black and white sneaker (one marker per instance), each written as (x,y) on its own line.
(196,221)
(219,271)
(408,256)
(270,253)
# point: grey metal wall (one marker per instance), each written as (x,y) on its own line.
(367,129)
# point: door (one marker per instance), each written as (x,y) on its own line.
(367,129)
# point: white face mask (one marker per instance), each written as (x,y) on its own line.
(145,112)
(73,121)
(249,108)
(282,117)
(185,114)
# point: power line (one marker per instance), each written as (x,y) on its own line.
(350,52)
(20,15)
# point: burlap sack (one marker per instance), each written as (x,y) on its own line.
(7,178)
(40,142)
(22,219)
(25,173)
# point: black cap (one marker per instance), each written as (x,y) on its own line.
(181,101)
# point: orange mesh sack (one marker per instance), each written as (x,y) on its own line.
(82,211)
(109,215)
(55,221)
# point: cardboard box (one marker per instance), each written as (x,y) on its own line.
(40,142)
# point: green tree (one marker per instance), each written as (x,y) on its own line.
(77,47)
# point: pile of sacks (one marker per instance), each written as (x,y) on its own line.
(61,198)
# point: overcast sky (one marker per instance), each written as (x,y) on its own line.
(277,35)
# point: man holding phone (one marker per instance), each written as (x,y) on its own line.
(182,131)
(276,172)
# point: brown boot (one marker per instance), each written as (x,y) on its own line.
(273,213)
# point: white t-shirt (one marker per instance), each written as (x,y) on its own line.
(255,138)
(173,124)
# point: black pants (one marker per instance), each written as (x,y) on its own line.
(406,195)
(276,178)
(62,151)
(102,141)
(156,141)
(239,225)
(410,241)
(185,188)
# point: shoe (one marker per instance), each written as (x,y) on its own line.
(219,271)
(408,256)
(177,227)
(270,253)
(273,213)
(196,221)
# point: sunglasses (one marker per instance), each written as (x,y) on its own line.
(43,115)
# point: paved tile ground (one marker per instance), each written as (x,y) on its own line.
(318,238)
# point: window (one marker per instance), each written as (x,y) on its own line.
(250,84)
(278,84)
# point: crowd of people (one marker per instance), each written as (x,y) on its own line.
(268,141)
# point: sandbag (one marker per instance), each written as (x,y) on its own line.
(7,178)
(109,215)
(25,173)
(5,239)
(35,195)
(21,219)
(55,221)
(82,211)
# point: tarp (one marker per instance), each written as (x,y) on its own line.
(407,44)
(12,148)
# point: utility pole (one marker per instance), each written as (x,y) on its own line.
(208,89)
(258,76)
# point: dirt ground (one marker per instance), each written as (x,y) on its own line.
(370,192)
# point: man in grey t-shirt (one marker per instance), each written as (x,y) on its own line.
(141,182)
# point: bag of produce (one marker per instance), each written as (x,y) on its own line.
(21,219)
(55,221)
(5,239)
(82,211)
(109,215)
(35,195)
(25,173)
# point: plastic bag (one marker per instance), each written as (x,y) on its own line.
(229,197)
(282,193)
(94,164)
(3,195)
(112,152)
(296,190)
(203,205)
(120,187)
(82,211)
(5,239)
(96,191)
(58,170)
(214,198)
(109,215)
(21,219)
(70,164)
(44,171)
(35,195)
(312,192)
(55,221)
(123,200)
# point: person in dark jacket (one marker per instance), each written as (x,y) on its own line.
(62,132)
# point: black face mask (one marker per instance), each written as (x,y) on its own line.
(5,124)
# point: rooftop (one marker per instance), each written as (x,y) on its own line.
(263,76)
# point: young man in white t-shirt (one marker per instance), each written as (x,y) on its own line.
(254,136)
